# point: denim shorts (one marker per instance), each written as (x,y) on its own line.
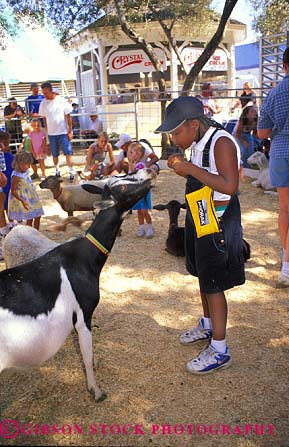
(57,141)
(217,259)
(279,172)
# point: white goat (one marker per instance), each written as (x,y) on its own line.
(41,301)
(263,180)
(23,244)
(73,197)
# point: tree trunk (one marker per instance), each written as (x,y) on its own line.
(209,49)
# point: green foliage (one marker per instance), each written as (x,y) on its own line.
(271,16)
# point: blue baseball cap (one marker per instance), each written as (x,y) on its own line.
(180,110)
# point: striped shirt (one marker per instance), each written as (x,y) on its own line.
(274,115)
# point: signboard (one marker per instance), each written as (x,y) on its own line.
(217,62)
(134,61)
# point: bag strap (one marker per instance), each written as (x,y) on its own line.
(206,151)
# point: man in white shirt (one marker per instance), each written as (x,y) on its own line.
(56,113)
(95,126)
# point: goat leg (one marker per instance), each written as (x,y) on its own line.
(85,343)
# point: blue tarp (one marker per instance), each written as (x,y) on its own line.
(247,56)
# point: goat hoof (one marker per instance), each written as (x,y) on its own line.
(101,398)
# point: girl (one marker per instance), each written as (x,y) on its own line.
(23,202)
(213,232)
(96,155)
(135,154)
(246,133)
(38,144)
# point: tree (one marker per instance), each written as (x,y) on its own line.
(192,14)
(271,16)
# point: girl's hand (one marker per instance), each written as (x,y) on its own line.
(25,204)
(173,159)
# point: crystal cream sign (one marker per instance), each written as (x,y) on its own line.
(217,62)
(134,61)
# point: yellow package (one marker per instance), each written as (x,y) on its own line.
(203,211)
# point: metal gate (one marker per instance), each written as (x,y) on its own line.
(271,53)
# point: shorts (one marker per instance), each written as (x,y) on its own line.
(56,141)
(279,172)
(144,204)
(217,259)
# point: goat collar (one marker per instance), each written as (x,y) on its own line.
(56,196)
(97,244)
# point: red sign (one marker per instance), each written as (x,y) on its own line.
(134,61)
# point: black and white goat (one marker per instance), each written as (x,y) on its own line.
(175,242)
(41,301)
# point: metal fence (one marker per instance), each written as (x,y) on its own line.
(137,113)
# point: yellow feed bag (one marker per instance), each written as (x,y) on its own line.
(203,211)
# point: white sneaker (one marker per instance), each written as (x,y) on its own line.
(196,334)
(140,232)
(283,281)
(209,361)
(149,232)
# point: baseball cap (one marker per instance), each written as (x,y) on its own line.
(33,84)
(123,138)
(180,110)
(12,99)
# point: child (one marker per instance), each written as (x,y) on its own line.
(213,232)
(26,146)
(96,156)
(134,154)
(23,203)
(38,144)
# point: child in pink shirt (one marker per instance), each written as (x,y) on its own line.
(38,144)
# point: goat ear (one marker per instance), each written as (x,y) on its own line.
(104,204)
(184,206)
(92,189)
(160,207)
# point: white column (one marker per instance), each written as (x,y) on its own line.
(231,67)
(102,72)
(174,73)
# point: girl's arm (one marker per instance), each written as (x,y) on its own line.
(153,158)
(14,183)
(239,132)
(32,148)
(110,153)
(90,152)
(3,180)
(226,181)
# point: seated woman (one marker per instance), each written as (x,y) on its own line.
(245,133)
(96,164)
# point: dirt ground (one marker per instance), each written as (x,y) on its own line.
(147,300)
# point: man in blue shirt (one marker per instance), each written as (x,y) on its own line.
(274,123)
(33,101)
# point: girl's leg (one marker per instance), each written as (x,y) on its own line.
(147,217)
(218,312)
(42,167)
(37,222)
(141,217)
